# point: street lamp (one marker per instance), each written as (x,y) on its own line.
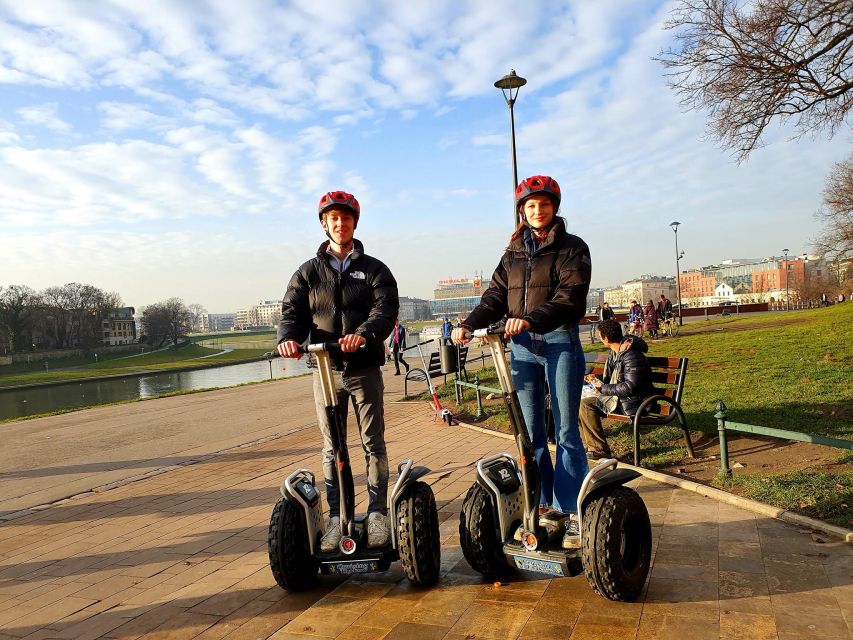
(678,257)
(787,297)
(507,84)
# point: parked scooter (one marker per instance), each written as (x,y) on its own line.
(500,527)
(440,411)
(296,524)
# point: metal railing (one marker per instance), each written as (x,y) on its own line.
(724,425)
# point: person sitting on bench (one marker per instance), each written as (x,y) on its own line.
(629,382)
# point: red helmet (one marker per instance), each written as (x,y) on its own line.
(535,185)
(339,199)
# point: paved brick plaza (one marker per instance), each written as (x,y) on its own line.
(183,555)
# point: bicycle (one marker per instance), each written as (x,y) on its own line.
(669,327)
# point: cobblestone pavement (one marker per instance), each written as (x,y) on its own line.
(183,555)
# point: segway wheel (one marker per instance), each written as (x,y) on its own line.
(617,544)
(291,562)
(417,535)
(478,534)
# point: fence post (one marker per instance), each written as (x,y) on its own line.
(479,397)
(721,416)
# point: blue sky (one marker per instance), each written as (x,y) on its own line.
(169,148)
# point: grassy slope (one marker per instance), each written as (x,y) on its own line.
(156,361)
(793,374)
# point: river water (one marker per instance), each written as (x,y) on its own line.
(35,400)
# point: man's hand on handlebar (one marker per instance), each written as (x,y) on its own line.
(289,349)
(460,335)
(350,342)
(514,326)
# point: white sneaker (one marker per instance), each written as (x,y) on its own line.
(378,532)
(332,537)
(572,536)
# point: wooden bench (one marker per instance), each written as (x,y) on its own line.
(417,374)
(668,376)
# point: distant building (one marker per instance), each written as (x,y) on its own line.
(412,309)
(698,283)
(457,297)
(594,299)
(774,279)
(213,322)
(724,291)
(267,313)
(119,326)
(647,288)
(615,297)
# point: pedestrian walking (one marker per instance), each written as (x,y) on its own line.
(397,344)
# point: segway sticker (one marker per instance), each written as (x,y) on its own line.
(350,568)
(539,566)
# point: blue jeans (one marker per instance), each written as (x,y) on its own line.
(557,358)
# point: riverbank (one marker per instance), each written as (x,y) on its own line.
(186,358)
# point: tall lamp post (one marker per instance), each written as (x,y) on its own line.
(509,83)
(787,297)
(678,256)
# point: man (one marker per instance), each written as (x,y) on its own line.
(446,329)
(629,382)
(635,319)
(343,295)
(397,343)
(664,308)
(606,312)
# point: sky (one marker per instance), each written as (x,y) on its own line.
(179,148)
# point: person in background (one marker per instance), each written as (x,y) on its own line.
(635,318)
(664,309)
(446,330)
(397,343)
(626,382)
(650,315)
(606,312)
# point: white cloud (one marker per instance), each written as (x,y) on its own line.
(45,115)
(123,116)
(7,133)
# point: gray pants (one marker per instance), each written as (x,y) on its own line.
(367,389)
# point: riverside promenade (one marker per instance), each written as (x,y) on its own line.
(181,552)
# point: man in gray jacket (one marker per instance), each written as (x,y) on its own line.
(343,295)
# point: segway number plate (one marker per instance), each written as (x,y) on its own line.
(351,567)
(539,566)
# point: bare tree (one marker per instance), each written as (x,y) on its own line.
(775,59)
(196,311)
(17,310)
(72,315)
(836,242)
(167,320)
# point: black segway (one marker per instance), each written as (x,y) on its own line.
(296,524)
(616,535)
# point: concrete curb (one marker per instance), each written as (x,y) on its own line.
(4,518)
(846,535)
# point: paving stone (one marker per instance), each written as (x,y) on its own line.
(670,627)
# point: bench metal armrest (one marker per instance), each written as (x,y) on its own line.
(677,413)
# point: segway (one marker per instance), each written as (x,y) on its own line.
(616,535)
(297,524)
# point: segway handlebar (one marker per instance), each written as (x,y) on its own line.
(420,344)
(312,348)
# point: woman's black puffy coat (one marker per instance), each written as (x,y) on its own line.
(323,305)
(547,288)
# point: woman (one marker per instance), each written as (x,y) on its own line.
(540,286)
(651,314)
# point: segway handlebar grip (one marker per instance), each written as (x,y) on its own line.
(324,346)
(492,330)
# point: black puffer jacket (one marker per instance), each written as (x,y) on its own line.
(633,373)
(547,288)
(322,305)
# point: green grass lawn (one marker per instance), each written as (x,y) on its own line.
(154,361)
(784,370)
